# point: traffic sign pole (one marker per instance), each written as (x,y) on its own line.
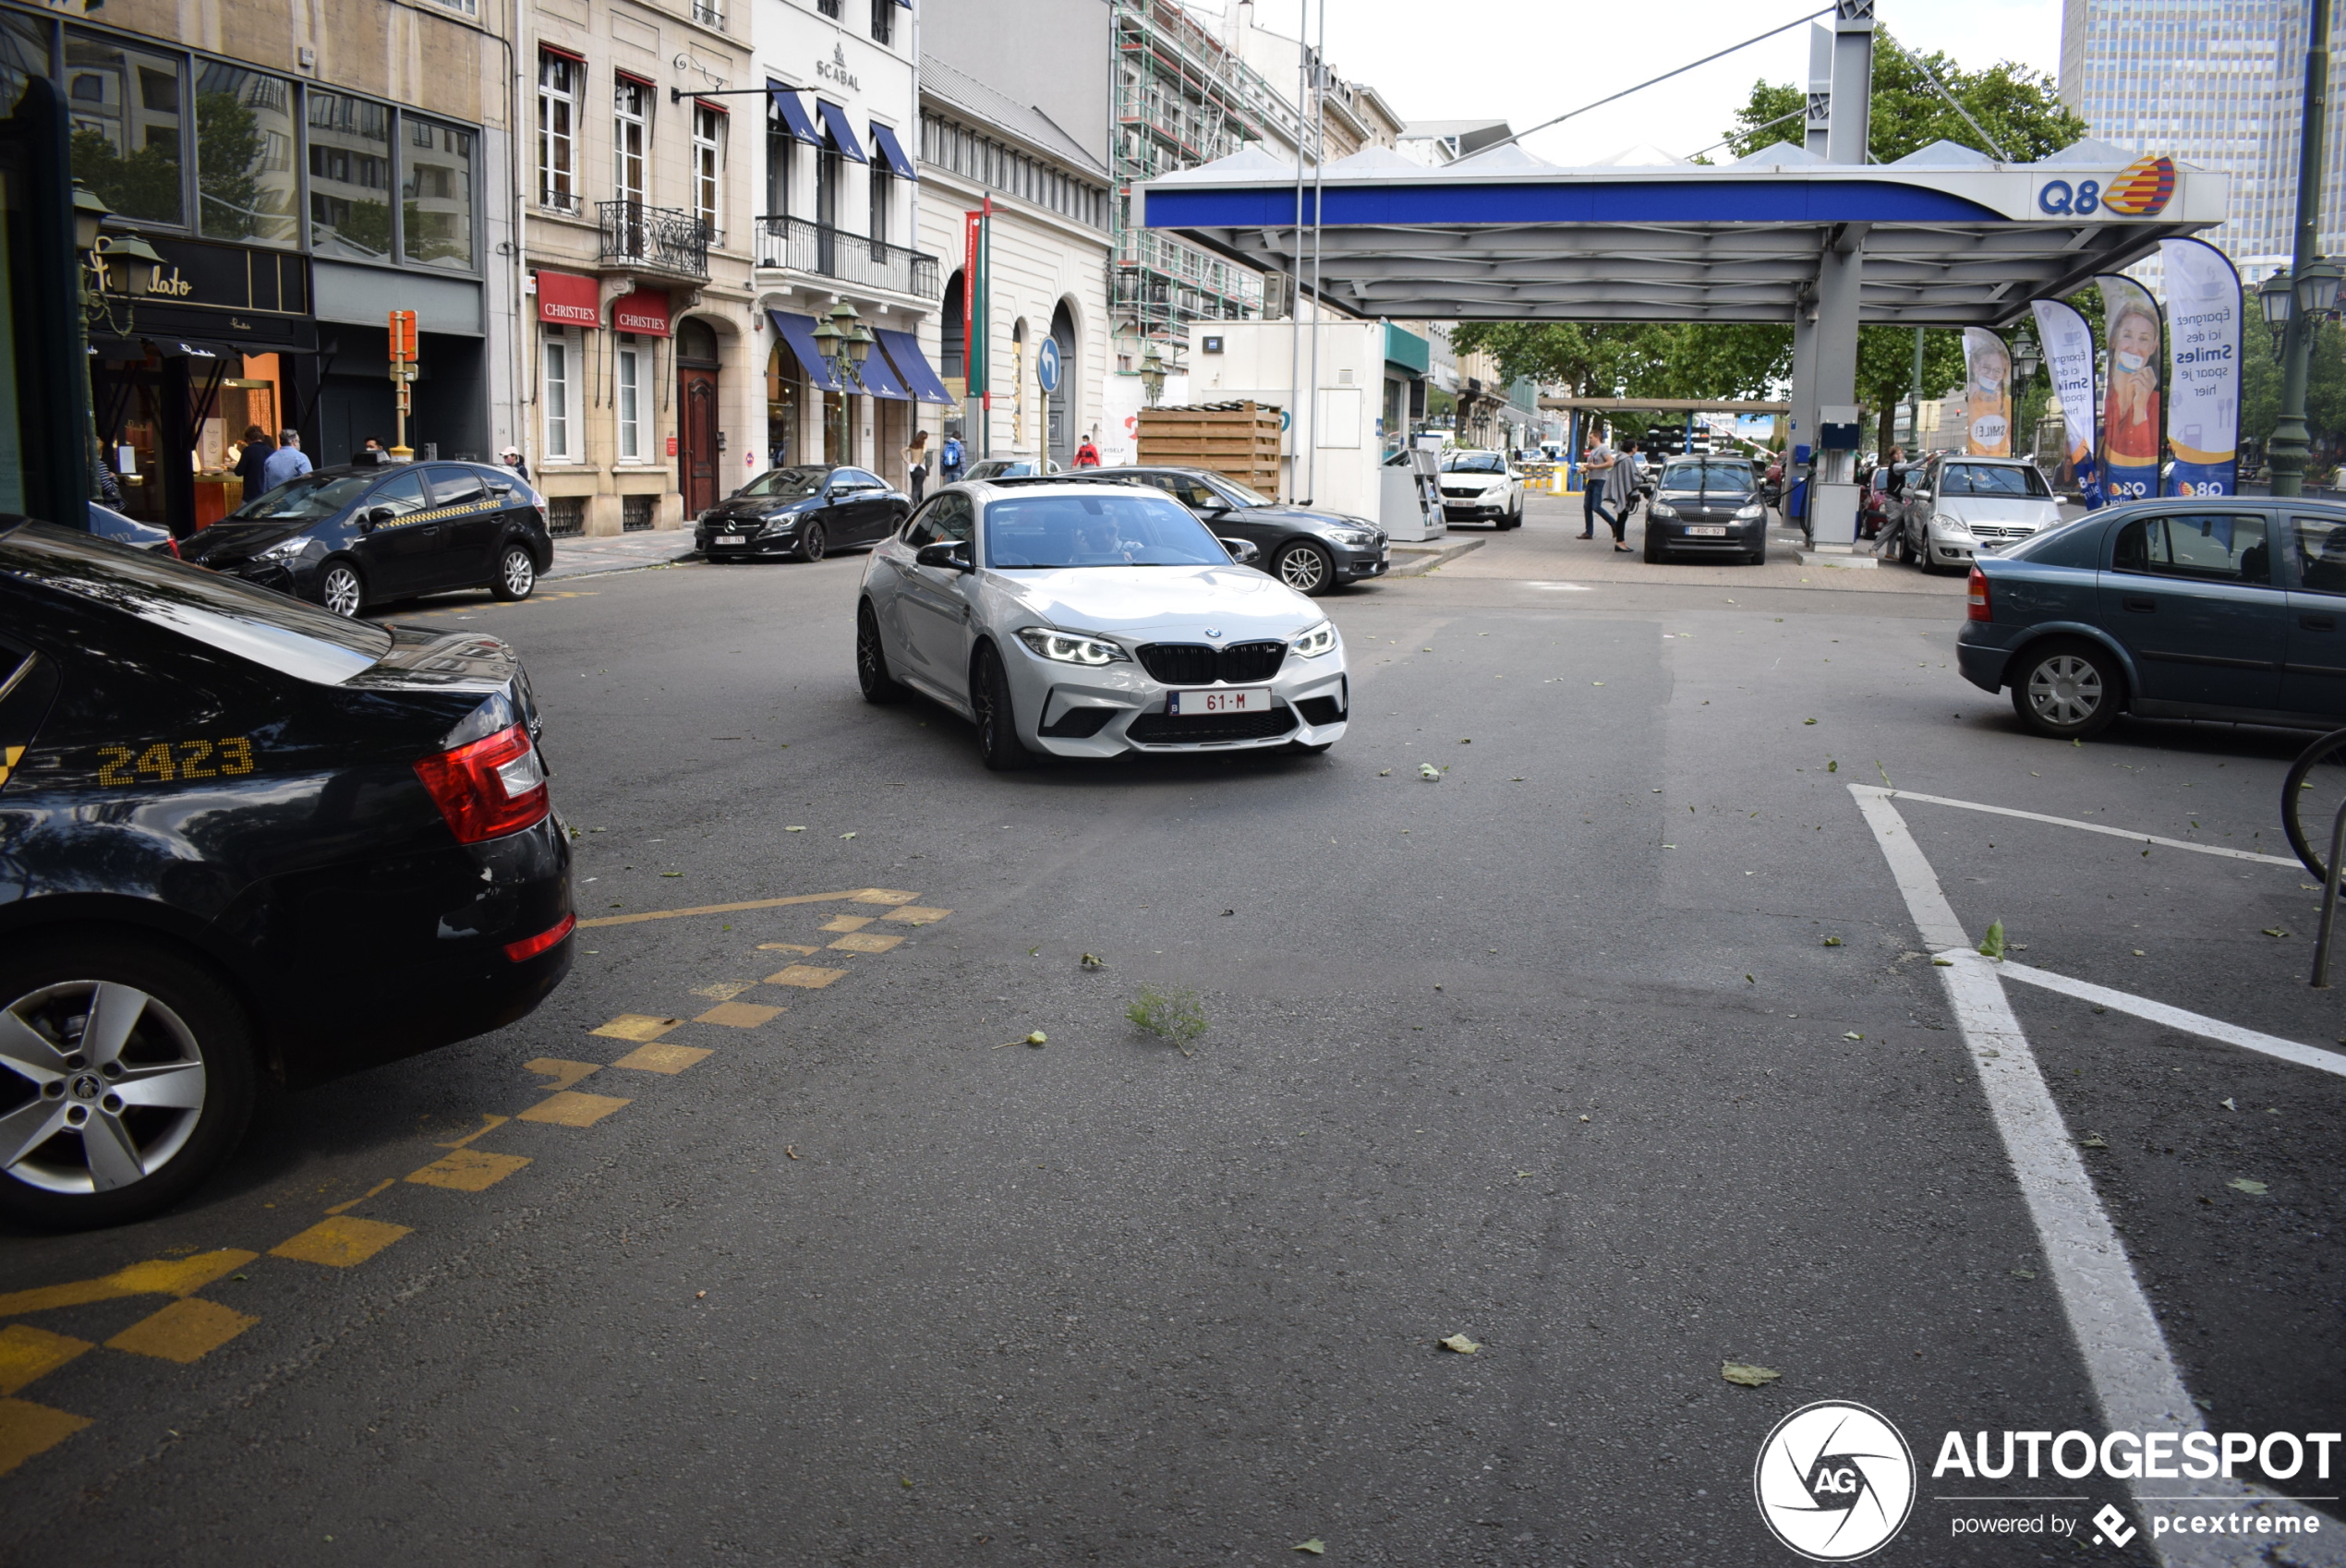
(402,374)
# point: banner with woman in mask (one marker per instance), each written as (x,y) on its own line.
(2203,368)
(2130,428)
(2069,358)
(1987,394)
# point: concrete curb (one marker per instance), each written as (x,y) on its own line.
(1425,557)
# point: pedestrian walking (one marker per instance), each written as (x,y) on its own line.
(948,461)
(253,453)
(916,464)
(1087,455)
(286,463)
(1620,494)
(510,458)
(1596,470)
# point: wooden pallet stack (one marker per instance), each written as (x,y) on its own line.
(1238,440)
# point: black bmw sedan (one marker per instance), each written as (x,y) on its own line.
(805,511)
(346,537)
(1313,552)
(240,837)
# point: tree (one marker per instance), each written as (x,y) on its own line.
(228,152)
(1886,367)
(2325,386)
(2021,108)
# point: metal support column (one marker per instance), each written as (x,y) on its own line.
(1802,422)
(1833,488)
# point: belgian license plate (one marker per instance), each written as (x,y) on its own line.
(1240,699)
(1708,531)
(728,538)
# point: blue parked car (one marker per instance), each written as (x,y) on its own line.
(2203,607)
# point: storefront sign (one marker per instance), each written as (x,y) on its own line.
(567,299)
(640,312)
(240,294)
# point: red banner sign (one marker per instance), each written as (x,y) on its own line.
(567,299)
(640,312)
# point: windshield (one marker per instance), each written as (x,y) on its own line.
(310,498)
(1707,476)
(1245,497)
(1106,530)
(785,482)
(1474,463)
(1992,479)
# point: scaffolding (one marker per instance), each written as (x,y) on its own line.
(1182,99)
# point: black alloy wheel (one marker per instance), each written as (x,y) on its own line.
(1306,569)
(2067,690)
(342,590)
(126,1074)
(1654,554)
(871,659)
(1759,556)
(997,742)
(811,543)
(517,574)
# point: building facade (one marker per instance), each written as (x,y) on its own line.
(302,171)
(1017,121)
(2217,84)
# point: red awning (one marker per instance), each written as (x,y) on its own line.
(636,76)
(571,55)
(568,299)
(640,312)
(711,104)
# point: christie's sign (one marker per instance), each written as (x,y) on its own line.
(2141,189)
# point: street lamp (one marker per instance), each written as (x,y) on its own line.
(138,257)
(2026,357)
(1153,374)
(2295,308)
(89,212)
(2277,299)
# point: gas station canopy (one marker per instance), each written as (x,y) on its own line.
(1948,237)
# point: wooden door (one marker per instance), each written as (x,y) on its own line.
(696,439)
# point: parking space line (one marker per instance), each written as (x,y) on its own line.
(860,895)
(161,1276)
(28,1354)
(785,948)
(915,914)
(27,1429)
(669,1059)
(807,977)
(343,1241)
(376,1190)
(739,1015)
(867,942)
(470,1170)
(490,1122)
(2176,1018)
(560,1074)
(570,1108)
(2085,826)
(185,1332)
(2134,1378)
(636,1026)
(847,923)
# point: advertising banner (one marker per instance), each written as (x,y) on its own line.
(2203,368)
(1987,394)
(2069,358)
(2129,430)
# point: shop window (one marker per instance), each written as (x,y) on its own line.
(627,383)
(557,154)
(708,158)
(558,398)
(349,177)
(127,126)
(244,155)
(436,207)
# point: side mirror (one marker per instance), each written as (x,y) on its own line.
(373,516)
(501,489)
(1242,551)
(947,555)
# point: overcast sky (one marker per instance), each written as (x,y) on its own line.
(1461,59)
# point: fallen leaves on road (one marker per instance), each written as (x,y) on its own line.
(1832,941)
(2024,1273)
(2092,1141)
(1088,961)
(2228,1104)
(790,1150)
(1426,770)
(794,830)
(2242,1184)
(1384,773)
(1315,1546)
(1807,721)
(1992,945)
(2275,931)
(1853,1035)
(847,835)
(1744,1375)
(1460,1344)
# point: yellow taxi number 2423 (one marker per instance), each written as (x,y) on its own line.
(168,760)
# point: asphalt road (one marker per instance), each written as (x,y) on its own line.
(1616,1050)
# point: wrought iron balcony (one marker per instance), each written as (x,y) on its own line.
(828,252)
(667,240)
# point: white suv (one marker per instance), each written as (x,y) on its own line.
(1482,487)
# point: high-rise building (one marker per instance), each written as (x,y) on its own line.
(2214,83)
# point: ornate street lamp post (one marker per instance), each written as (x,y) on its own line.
(2295,308)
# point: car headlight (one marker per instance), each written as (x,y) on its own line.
(1072,647)
(1750,514)
(779,521)
(285,550)
(1947,525)
(1316,641)
(1354,539)
(1661,511)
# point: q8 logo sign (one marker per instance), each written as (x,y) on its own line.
(1835,1481)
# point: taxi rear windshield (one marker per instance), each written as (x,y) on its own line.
(255,624)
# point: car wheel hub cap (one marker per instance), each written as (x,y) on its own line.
(101,1085)
(2065,690)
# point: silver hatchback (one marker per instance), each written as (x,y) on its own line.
(1955,507)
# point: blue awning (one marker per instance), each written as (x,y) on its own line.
(799,332)
(879,380)
(892,150)
(903,350)
(842,134)
(794,115)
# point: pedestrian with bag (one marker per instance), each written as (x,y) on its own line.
(948,461)
(1620,495)
(916,464)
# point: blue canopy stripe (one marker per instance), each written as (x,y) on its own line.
(793,114)
(891,149)
(903,350)
(799,332)
(879,380)
(843,135)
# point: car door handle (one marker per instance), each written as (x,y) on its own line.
(2319,623)
(2146,606)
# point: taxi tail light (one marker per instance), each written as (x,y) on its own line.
(1980,608)
(520,952)
(490,787)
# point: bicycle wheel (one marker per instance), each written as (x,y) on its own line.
(2311,797)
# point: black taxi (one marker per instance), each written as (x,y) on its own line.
(241,837)
(349,537)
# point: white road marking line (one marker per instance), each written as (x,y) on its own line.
(2118,1335)
(2090,828)
(2176,1018)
